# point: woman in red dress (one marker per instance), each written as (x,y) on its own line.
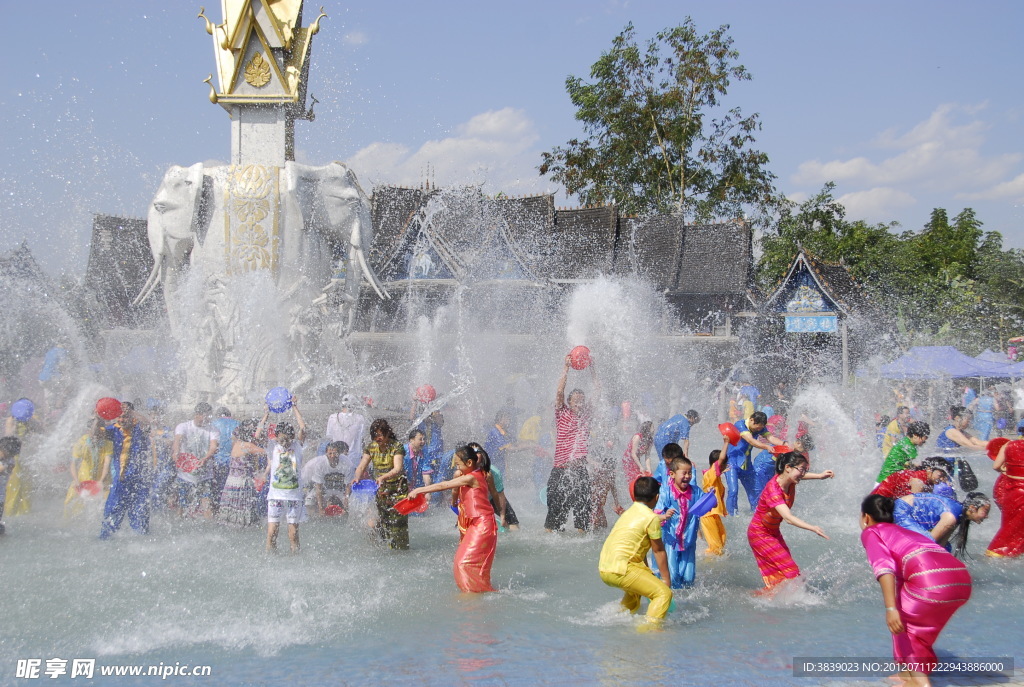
(764,533)
(1009,496)
(475,554)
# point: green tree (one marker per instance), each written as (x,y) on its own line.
(657,137)
(873,254)
(951,283)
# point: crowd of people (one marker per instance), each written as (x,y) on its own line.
(244,473)
(914,526)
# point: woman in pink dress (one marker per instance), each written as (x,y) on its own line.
(765,533)
(636,460)
(922,585)
(475,554)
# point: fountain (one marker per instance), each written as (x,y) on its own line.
(274,273)
(296,235)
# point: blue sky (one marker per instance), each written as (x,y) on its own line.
(907,105)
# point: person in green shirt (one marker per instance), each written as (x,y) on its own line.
(904,451)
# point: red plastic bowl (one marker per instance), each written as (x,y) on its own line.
(413,505)
(579,358)
(730,432)
(425,394)
(89,487)
(108,408)
(334,509)
(995,445)
(782,448)
(186,462)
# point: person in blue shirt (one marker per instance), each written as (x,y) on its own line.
(679,532)
(941,517)
(130,468)
(225,425)
(675,430)
(984,408)
(751,392)
(499,443)
(417,470)
(433,451)
(753,434)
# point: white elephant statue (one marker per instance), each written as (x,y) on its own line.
(255,261)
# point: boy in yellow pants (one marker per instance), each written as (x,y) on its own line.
(623,556)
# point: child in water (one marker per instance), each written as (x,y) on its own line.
(679,531)
(622,563)
(285,498)
(10,447)
(479,541)
(764,533)
(711,524)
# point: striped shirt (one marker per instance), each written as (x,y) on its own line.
(572,434)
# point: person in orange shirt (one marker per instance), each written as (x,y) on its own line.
(711,526)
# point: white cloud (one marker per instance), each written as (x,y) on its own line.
(798,197)
(942,153)
(1012,190)
(876,203)
(355,38)
(494,149)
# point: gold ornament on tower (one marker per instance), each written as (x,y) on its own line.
(257,72)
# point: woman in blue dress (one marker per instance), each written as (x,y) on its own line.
(954,439)
(984,414)
(942,517)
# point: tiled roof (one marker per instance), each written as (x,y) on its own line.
(119,263)
(686,259)
(22,265)
(834,279)
(468,230)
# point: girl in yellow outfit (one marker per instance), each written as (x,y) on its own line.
(92,450)
(622,563)
(19,484)
(711,526)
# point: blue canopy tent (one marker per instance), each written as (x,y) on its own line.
(990,356)
(946,362)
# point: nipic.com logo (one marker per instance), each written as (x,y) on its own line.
(34,668)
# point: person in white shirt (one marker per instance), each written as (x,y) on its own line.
(349,426)
(328,477)
(285,498)
(195,444)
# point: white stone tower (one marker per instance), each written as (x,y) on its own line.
(262,57)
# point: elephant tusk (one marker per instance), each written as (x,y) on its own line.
(370,276)
(155,276)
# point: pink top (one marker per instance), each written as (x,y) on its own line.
(641,448)
(890,546)
(772,497)
(572,436)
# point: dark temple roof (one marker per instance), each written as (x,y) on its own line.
(470,232)
(833,279)
(119,263)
